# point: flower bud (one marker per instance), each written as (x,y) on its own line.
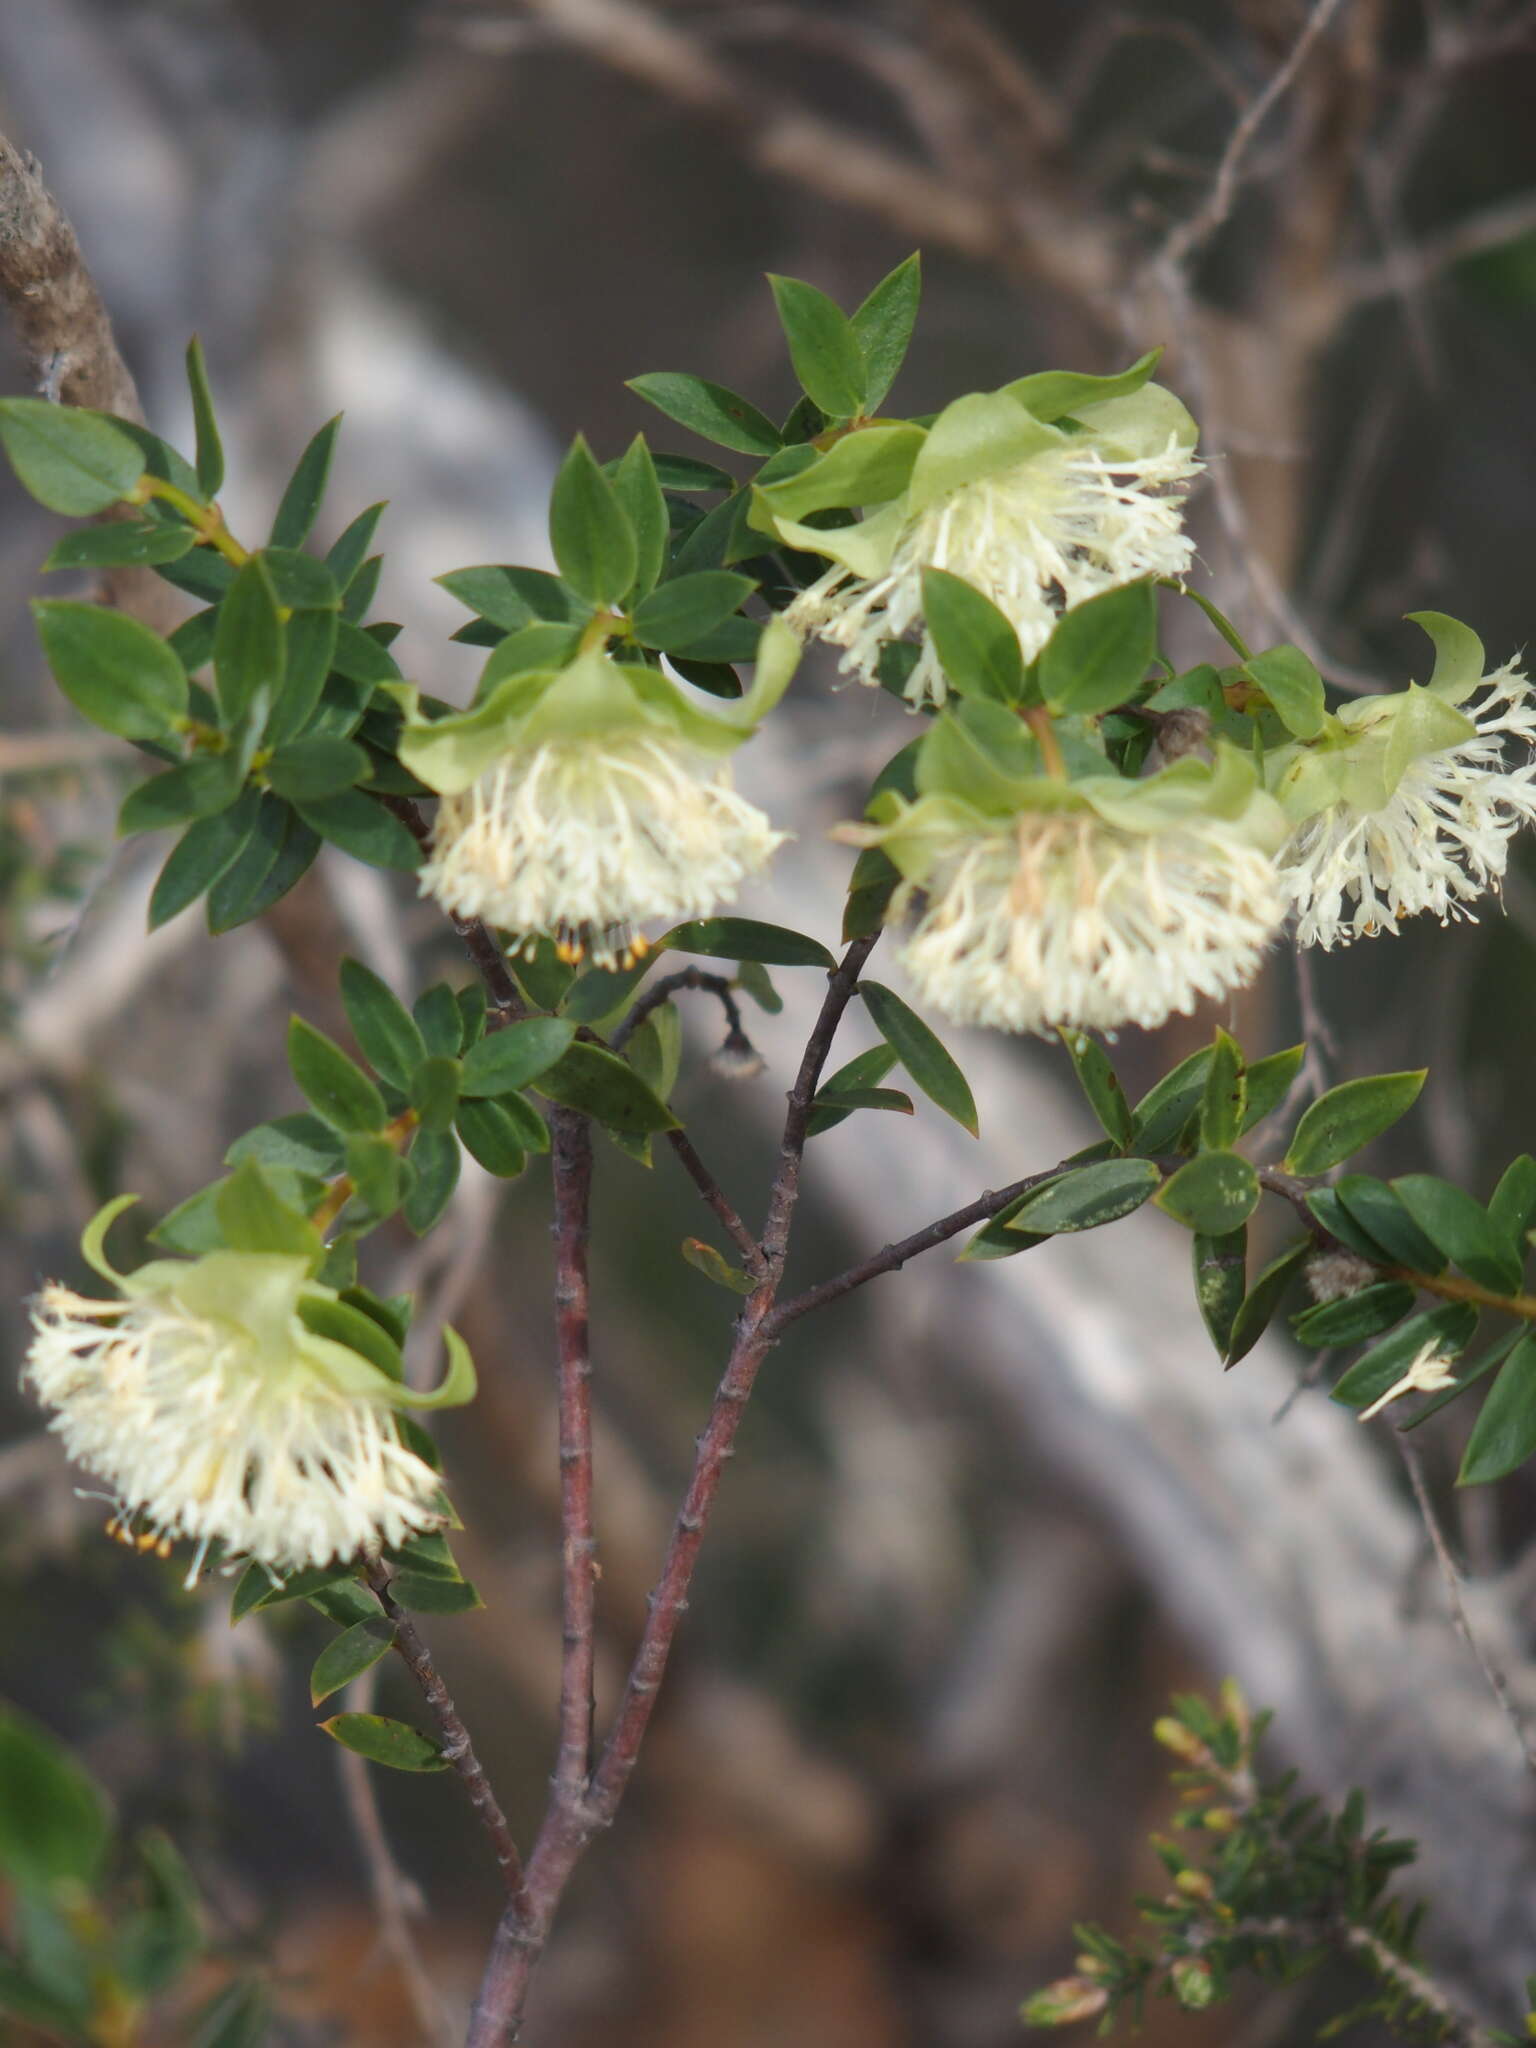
(1068,1999)
(1193,1984)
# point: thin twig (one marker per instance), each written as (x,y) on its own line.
(456,1745)
(669,985)
(735,1229)
(571,1159)
(1496,1682)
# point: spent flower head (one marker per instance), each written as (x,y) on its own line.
(1407,803)
(210,1409)
(583,802)
(1036,516)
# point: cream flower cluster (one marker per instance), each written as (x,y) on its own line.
(210,1412)
(1038,537)
(1436,844)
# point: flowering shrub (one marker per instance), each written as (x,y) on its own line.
(1079,836)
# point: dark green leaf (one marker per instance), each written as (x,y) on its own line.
(200,572)
(200,788)
(512,598)
(1459,1227)
(302,584)
(360,595)
(639,494)
(427,1593)
(117,672)
(278,848)
(58,2014)
(1356,1316)
(375,1171)
(1220,1283)
(976,644)
(360,657)
(1262,1299)
(300,505)
(922,1053)
(1512,1205)
(603,1087)
(511,1058)
(383,1741)
(706,1260)
(743,938)
(1269,1083)
(1504,1435)
(849,1099)
(600,991)
(210,452)
(1348,1117)
(708,410)
(1100,1083)
(1214,1194)
(685,473)
(752,977)
(1086,1197)
(1293,686)
(589,531)
(822,346)
(360,825)
(435,1157)
(1449,1329)
(863,1071)
(1100,651)
(439,1019)
(1225,1096)
(491,1137)
(311,643)
(387,1032)
(1336,1219)
(248,642)
(306,770)
(1379,1212)
(346,557)
(882,326)
(684,610)
(353,1652)
(71,460)
(54,1823)
(434,1092)
(1169,1104)
(198,859)
(334,1088)
(104,547)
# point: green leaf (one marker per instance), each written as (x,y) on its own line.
(1379,1212)
(1512,1205)
(976,644)
(517,1054)
(882,327)
(603,1087)
(1269,1083)
(1086,1197)
(240,2017)
(708,410)
(248,641)
(119,545)
(1168,1105)
(1356,1316)
(1459,1227)
(334,1088)
(1053,394)
(1225,1097)
(310,645)
(360,657)
(1348,1117)
(55,2014)
(1100,1083)
(1220,1283)
(253,1217)
(360,825)
(849,1099)
(600,991)
(353,1652)
(1504,1435)
(589,531)
(686,473)
(1293,686)
(300,505)
(210,451)
(439,1019)
(862,1072)
(1214,1194)
(383,1741)
(688,607)
(922,1053)
(302,584)
(636,487)
(714,1266)
(275,851)
(1449,1329)
(200,856)
(743,938)
(1100,651)
(435,1158)
(72,461)
(375,1170)
(117,672)
(491,1137)
(753,979)
(1262,1299)
(434,1092)
(822,346)
(428,1593)
(54,1823)
(350,1323)
(300,1142)
(386,1031)
(428,1553)
(305,770)
(203,787)
(347,554)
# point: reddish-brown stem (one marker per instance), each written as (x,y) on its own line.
(574,1816)
(740,1236)
(571,1158)
(456,1745)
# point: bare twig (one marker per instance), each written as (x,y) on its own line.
(571,1158)
(1489,227)
(1497,1683)
(735,1229)
(456,1745)
(669,985)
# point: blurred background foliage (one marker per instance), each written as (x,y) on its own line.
(907,1744)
